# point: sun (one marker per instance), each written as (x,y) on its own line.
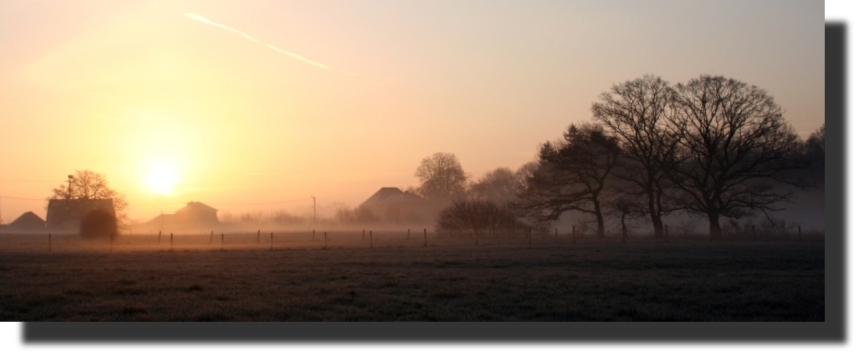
(161,180)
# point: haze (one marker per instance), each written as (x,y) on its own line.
(241,104)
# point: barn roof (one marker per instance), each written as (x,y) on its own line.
(195,207)
(28,220)
(392,195)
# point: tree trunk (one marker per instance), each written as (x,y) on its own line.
(624,229)
(600,220)
(658,224)
(714,225)
(655,215)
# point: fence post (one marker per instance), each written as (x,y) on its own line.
(171,241)
(799,234)
(111,242)
(49,242)
(221,241)
(370,240)
(313,234)
(258,235)
(159,237)
(211,237)
(425,238)
(272,241)
(363,238)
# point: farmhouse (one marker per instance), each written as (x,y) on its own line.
(67,213)
(28,221)
(193,215)
(393,205)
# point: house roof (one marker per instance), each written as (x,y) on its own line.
(392,195)
(195,207)
(88,204)
(28,220)
(162,219)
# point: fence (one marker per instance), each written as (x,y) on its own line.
(341,239)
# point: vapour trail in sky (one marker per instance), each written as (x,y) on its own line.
(204,20)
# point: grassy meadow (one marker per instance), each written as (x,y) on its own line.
(398,279)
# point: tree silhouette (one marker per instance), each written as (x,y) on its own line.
(572,175)
(441,176)
(732,148)
(635,112)
(499,185)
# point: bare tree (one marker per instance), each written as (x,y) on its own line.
(499,185)
(733,144)
(85,185)
(441,176)
(813,153)
(816,140)
(635,112)
(572,175)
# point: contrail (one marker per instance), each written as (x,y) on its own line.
(204,20)
(230,29)
(298,57)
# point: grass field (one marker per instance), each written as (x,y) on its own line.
(545,279)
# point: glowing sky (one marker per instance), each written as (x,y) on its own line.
(259,101)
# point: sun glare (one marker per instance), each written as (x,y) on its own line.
(161,180)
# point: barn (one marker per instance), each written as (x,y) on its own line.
(68,213)
(393,205)
(193,215)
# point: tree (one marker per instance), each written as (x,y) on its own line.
(816,140)
(85,185)
(499,185)
(441,176)
(732,149)
(813,152)
(572,175)
(635,112)
(624,207)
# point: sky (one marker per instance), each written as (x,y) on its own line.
(243,105)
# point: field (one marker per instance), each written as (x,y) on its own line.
(298,278)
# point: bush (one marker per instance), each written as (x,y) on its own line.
(471,218)
(98,225)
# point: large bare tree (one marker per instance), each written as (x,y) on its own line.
(635,112)
(572,175)
(441,176)
(733,148)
